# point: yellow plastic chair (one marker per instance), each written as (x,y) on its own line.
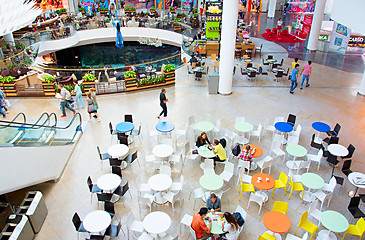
(307,225)
(280,206)
(266,236)
(282,182)
(245,187)
(357,230)
(298,187)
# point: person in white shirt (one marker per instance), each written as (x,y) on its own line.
(230,227)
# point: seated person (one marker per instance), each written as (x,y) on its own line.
(246,155)
(202,231)
(220,151)
(230,227)
(202,140)
(213,203)
(193,59)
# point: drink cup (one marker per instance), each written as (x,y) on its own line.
(267,179)
(259,178)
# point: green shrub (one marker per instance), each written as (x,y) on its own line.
(63,10)
(89,77)
(195,15)
(69,87)
(172,8)
(11,66)
(177,19)
(169,68)
(48,79)
(130,74)
(82,9)
(8,79)
(195,10)
(152,9)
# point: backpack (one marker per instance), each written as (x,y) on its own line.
(236,150)
(239,218)
(223,142)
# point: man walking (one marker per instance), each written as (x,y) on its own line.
(163,101)
(65,97)
(294,78)
(307,72)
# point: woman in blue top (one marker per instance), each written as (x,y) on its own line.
(78,97)
(214,203)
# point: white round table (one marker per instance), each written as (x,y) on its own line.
(159,183)
(162,150)
(109,182)
(338,150)
(357,179)
(157,222)
(97,221)
(119,151)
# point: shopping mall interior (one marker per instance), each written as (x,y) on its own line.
(129,119)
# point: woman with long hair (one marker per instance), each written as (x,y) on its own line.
(230,226)
(202,140)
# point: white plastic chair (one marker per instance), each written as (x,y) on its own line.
(315,212)
(272,127)
(145,236)
(188,153)
(297,131)
(321,196)
(182,132)
(165,170)
(276,149)
(172,198)
(217,127)
(147,199)
(208,166)
(227,172)
(295,177)
(316,157)
(266,162)
(293,237)
(192,232)
(329,188)
(133,225)
(259,199)
(221,192)
(304,165)
(186,220)
(142,187)
(293,139)
(199,193)
(257,133)
(177,186)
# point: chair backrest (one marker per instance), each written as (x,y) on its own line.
(283,178)
(280,207)
(241,211)
(270,56)
(118,191)
(279,74)
(313,205)
(256,198)
(276,144)
(261,238)
(291,119)
(123,139)
(192,232)
(117,170)
(186,148)
(165,170)
(303,218)
(346,165)
(337,129)
(252,74)
(115,162)
(76,221)
(333,183)
(320,153)
(246,178)
(259,128)
(334,140)
(249,65)
(111,127)
(102,197)
(208,163)
(354,202)
(176,196)
(351,150)
(109,207)
(229,167)
(305,236)
(134,156)
(281,63)
(304,164)
(98,149)
(298,129)
(260,70)
(191,119)
(360,224)
(128,118)
(89,182)
(125,188)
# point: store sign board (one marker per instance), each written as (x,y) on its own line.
(323,37)
(339,38)
(356,41)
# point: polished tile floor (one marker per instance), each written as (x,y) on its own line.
(330,98)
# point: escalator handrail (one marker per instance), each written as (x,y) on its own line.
(12,121)
(32,125)
(36,125)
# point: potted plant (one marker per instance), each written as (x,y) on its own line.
(82,10)
(180,15)
(129,10)
(169,71)
(7,84)
(152,10)
(172,10)
(63,11)
(177,19)
(48,84)
(195,10)
(88,81)
(130,79)
(196,16)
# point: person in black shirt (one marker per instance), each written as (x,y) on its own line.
(193,59)
(163,101)
(202,140)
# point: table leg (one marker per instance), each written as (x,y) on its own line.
(326,234)
(307,195)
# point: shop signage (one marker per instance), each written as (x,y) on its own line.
(339,38)
(357,41)
(323,37)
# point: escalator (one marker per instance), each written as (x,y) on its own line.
(45,131)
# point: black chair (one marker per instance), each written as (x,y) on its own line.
(339,180)
(102,156)
(346,167)
(332,159)
(362,196)
(95,237)
(335,131)
(287,72)
(121,190)
(109,207)
(351,150)
(354,208)
(112,131)
(115,162)
(281,63)
(332,140)
(270,57)
(134,157)
(261,72)
(128,118)
(76,220)
(291,119)
(275,65)
(278,76)
(92,187)
(251,75)
(117,170)
(113,231)
(249,65)
(314,144)
(243,72)
(102,197)
(123,139)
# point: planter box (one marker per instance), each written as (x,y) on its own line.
(180,16)
(87,86)
(129,12)
(9,89)
(177,28)
(172,11)
(130,82)
(48,89)
(170,76)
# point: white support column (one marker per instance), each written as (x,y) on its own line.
(8,38)
(362,85)
(228,45)
(316,25)
(272,8)
(264,4)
